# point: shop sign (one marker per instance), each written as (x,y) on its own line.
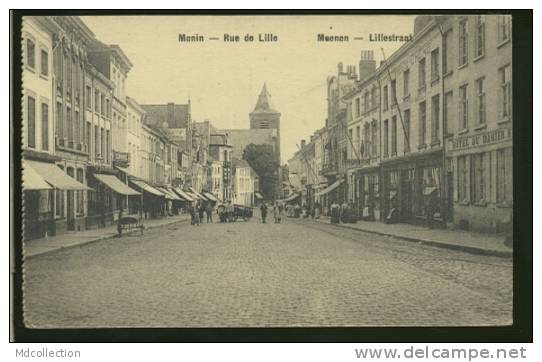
(482,139)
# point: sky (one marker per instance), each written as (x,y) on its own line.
(223,79)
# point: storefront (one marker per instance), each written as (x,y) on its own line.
(154,201)
(480,174)
(48,210)
(333,193)
(365,193)
(128,199)
(411,189)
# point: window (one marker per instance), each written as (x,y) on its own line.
(406,83)
(44,63)
(96,142)
(108,146)
(358,138)
(374,136)
(102,105)
(88,97)
(421,123)
(478,172)
(421,74)
(480,102)
(69,124)
(406,123)
(463,108)
(503,28)
(480,36)
(447,107)
(435,121)
(393,92)
(373,97)
(446,59)
(385,100)
(394,136)
(366,140)
(350,135)
(88,134)
(59,121)
(31,118)
(504,175)
(366,102)
(44,126)
(463,42)
(358,107)
(30,53)
(505,97)
(462,178)
(435,72)
(96,101)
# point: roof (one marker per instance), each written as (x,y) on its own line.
(176,115)
(240,163)
(264,105)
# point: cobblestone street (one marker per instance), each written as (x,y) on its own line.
(298,273)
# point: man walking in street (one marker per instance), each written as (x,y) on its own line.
(263,210)
(209,211)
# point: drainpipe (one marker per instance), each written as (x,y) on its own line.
(443,196)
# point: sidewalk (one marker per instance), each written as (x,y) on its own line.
(452,239)
(41,246)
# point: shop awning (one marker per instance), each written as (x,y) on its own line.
(116,185)
(392,194)
(124,169)
(53,175)
(291,197)
(331,187)
(183,194)
(258,195)
(197,194)
(210,196)
(147,188)
(169,195)
(32,180)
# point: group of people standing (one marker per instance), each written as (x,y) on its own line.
(199,210)
(277,209)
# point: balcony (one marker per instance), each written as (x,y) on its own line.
(328,169)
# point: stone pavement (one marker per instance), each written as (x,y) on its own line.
(247,274)
(477,243)
(36,247)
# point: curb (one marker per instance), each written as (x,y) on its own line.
(440,244)
(84,243)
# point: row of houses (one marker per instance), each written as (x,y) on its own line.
(426,135)
(90,150)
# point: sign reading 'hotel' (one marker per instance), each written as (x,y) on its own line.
(498,135)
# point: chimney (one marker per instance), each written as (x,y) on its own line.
(302,144)
(171,114)
(367,64)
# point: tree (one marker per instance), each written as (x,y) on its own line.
(263,160)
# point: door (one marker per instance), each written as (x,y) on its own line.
(450,196)
(71,209)
(407,194)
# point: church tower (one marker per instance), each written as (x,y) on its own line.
(265,116)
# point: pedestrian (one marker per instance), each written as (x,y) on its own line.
(201,211)
(335,211)
(209,211)
(263,210)
(276,212)
(280,208)
(317,210)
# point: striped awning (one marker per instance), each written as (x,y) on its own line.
(183,194)
(53,175)
(147,188)
(330,188)
(210,196)
(116,185)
